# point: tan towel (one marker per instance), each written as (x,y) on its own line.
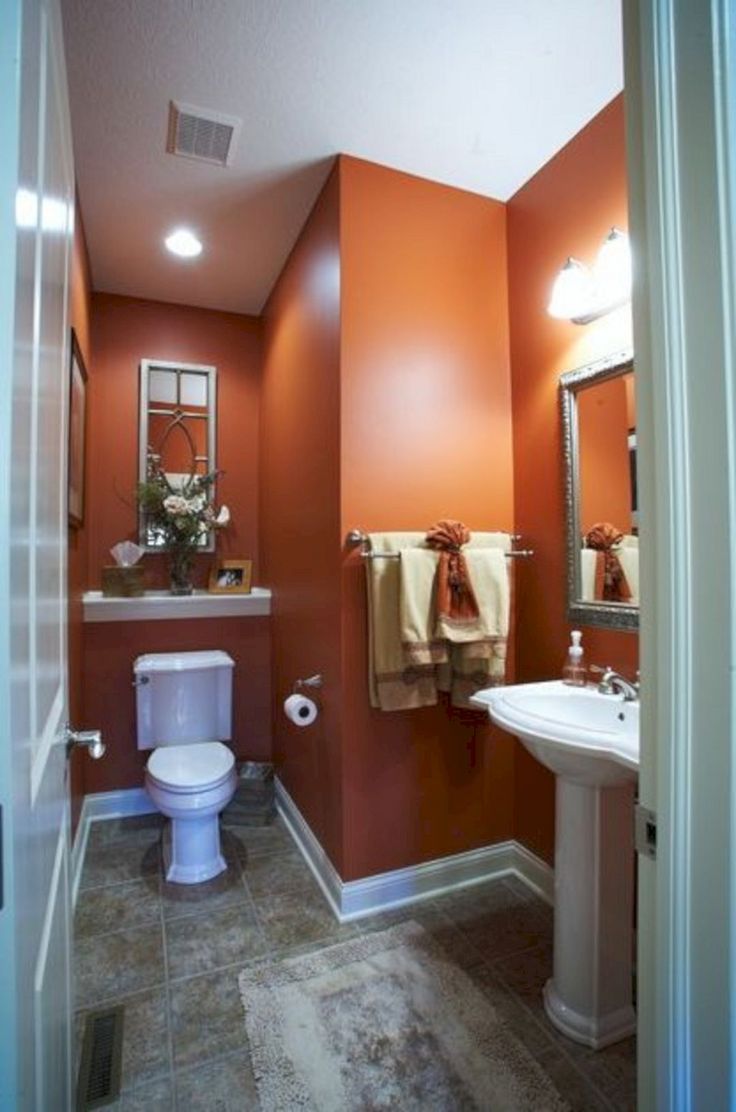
(410,664)
(394,682)
(467,656)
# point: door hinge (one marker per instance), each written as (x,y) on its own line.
(645,831)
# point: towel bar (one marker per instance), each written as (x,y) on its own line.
(358,537)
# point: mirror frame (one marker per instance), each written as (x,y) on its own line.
(146,366)
(609,615)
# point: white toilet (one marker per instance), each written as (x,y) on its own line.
(184,708)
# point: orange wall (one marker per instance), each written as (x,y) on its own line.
(565,209)
(110,649)
(386,404)
(603,451)
(77,538)
(426,433)
(124,331)
(300,510)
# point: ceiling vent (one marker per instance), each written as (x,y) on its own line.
(200,134)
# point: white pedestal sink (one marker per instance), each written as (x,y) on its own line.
(591,742)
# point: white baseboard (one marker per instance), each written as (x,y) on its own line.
(355,899)
(104,805)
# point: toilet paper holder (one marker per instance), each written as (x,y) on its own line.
(311,682)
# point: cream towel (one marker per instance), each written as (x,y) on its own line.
(394,683)
(628,557)
(421,631)
(588,558)
(467,656)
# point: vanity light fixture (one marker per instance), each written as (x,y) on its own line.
(581,294)
(183,243)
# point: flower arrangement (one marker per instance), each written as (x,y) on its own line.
(179,518)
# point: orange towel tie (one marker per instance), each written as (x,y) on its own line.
(455,596)
(611,583)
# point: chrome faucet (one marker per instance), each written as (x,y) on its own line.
(613,683)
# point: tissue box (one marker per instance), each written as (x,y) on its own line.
(120,582)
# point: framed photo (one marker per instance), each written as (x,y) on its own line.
(77,422)
(231,577)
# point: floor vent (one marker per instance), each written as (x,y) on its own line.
(102,1052)
(201,134)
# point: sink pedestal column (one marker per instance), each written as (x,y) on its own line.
(589,996)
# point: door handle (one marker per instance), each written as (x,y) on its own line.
(88,739)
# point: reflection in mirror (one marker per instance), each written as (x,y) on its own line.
(599,431)
(177,428)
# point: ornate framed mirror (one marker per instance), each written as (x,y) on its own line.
(177,430)
(598,411)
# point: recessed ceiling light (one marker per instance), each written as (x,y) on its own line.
(183,243)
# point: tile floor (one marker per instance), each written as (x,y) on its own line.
(171,955)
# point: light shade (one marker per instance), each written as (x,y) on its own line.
(582,295)
(183,243)
(572,293)
(612,270)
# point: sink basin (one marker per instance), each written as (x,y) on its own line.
(576,732)
(591,742)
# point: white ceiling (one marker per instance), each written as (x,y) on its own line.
(474,93)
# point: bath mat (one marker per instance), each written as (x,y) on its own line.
(384,1021)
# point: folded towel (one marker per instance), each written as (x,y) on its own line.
(467,655)
(588,566)
(394,683)
(610,578)
(628,558)
(424,630)
(402,679)
(592,571)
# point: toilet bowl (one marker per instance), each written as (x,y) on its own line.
(191,784)
(183,703)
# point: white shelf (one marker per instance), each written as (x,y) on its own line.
(160,605)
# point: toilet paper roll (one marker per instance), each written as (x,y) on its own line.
(300,710)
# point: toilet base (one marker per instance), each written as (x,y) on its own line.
(191,850)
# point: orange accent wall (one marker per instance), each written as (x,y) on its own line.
(565,209)
(426,433)
(110,649)
(126,330)
(300,510)
(386,404)
(80,292)
(603,451)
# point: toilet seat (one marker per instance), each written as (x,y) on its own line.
(189,768)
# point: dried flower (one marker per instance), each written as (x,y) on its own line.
(179,517)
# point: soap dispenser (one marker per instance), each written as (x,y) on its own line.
(573,670)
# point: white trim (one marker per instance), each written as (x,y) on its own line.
(97,808)
(50,735)
(355,899)
(160,605)
(324,871)
(681,135)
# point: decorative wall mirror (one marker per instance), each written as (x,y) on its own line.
(598,408)
(177,430)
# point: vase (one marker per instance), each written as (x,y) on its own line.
(181,561)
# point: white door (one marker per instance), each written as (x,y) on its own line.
(36,228)
(681,127)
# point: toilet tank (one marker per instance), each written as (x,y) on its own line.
(183,698)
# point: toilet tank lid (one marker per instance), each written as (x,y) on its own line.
(182,662)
